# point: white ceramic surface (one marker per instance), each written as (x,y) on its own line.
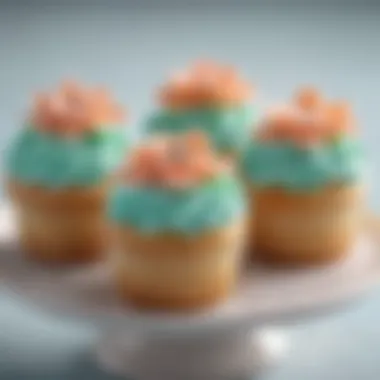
(232,357)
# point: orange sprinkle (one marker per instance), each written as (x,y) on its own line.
(307,121)
(204,83)
(74,109)
(340,116)
(308,98)
(181,161)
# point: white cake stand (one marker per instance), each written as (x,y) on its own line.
(229,342)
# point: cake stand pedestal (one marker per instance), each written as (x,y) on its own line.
(232,356)
(228,342)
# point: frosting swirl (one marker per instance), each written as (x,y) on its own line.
(203,84)
(74,109)
(154,210)
(176,184)
(305,146)
(37,158)
(182,161)
(308,121)
(288,166)
(228,128)
(70,139)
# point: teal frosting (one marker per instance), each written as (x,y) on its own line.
(152,210)
(228,128)
(280,164)
(46,159)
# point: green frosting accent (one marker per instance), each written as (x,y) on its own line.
(49,160)
(229,128)
(152,210)
(280,164)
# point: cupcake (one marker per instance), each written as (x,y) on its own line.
(304,172)
(209,97)
(59,169)
(178,222)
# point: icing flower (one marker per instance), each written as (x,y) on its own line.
(179,162)
(308,121)
(205,83)
(74,109)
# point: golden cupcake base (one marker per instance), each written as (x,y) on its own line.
(175,272)
(66,252)
(61,226)
(313,228)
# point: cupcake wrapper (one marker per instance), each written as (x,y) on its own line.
(177,272)
(307,228)
(63,226)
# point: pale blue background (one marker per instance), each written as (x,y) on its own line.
(130,48)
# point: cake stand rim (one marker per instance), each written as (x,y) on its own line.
(187,325)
